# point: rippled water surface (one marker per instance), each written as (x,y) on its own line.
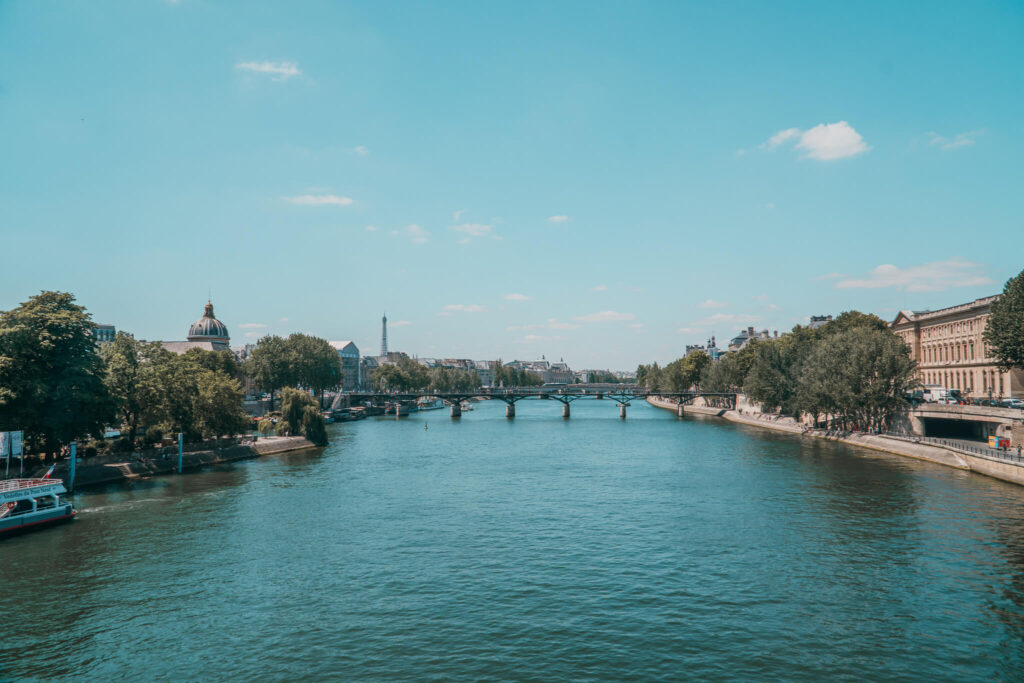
(538,548)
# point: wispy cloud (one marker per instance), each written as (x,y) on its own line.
(471,230)
(689,330)
(828,276)
(414,233)
(253,335)
(599,288)
(464,308)
(361,150)
(824,142)
(957,141)
(637,326)
(252,326)
(557,219)
(458,214)
(319,200)
(279,71)
(605,317)
(936,276)
(283,320)
(371,228)
(516,296)
(399,323)
(711,303)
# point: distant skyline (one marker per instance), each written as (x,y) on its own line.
(600,182)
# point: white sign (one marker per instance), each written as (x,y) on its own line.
(17,439)
(5,445)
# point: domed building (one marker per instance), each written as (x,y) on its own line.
(207,333)
(209,329)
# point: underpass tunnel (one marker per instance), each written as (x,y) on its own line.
(975,430)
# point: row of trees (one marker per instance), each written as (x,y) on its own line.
(297,360)
(197,393)
(409,375)
(854,371)
(57,386)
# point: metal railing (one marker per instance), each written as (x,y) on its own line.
(1009,455)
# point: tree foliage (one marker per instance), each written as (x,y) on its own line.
(51,376)
(299,360)
(1004,331)
(410,375)
(300,414)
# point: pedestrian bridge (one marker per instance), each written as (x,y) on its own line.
(622,394)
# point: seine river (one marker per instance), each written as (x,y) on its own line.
(592,548)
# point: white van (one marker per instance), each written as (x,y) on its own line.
(935,393)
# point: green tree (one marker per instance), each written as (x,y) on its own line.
(314,363)
(269,365)
(300,414)
(218,405)
(129,379)
(51,375)
(1004,331)
(218,361)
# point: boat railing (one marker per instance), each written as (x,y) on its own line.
(18,484)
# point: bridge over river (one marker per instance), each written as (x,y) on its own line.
(621,394)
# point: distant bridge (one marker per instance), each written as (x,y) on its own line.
(622,394)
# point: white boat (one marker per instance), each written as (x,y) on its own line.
(32,503)
(467,405)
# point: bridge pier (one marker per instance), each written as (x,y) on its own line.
(457,409)
(510,410)
(622,411)
(565,411)
(679,409)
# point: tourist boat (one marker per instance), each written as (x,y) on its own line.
(431,404)
(32,503)
(466,405)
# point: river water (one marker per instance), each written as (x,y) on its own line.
(538,548)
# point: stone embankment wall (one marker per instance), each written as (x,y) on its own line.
(747,413)
(134,466)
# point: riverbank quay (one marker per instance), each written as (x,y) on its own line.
(114,470)
(908,448)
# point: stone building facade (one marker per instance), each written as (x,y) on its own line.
(950,351)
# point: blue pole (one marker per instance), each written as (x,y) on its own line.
(74,456)
(181,447)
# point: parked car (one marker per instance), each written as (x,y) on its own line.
(1014,403)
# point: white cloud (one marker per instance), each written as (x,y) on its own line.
(557,219)
(955,142)
(769,206)
(279,71)
(637,326)
(361,151)
(414,233)
(824,142)
(517,297)
(371,228)
(599,288)
(472,230)
(638,290)
(553,324)
(605,317)
(829,276)
(711,303)
(252,326)
(534,338)
(936,276)
(284,320)
(464,308)
(689,330)
(319,200)
(458,214)
(399,323)
(253,335)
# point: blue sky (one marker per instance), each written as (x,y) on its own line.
(603,182)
